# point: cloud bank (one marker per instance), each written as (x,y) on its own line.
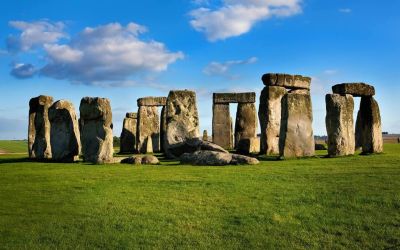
(222,68)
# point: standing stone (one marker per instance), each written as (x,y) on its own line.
(358,134)
(96,134)
(163,128)
(339,124)
(182,121)
(128,134)
(296,136)
(269,114)
(149,145)
(249,146)
(222,126)
(148,125)
(39,127)
(246,122)
(205,135)
(64,132)
(370,128)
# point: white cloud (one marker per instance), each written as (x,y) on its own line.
(34,34)
(23,70)
(237,17)
(345,10)
(222,68)
(330,71)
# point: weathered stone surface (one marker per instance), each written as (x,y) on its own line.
(195,144)
(249,146)
(370,126)
(182,121)
(222,133)
(221,98)
(163,127)
(354,89)
(296,136)
(149,145)
(269,114)
(128,134)
(148,125)
(213,158)
(138,160)
(96,134)
(246,122)
(64,132)
(287,81)
(205,135)
(39,127)
(152,101)
(339,124)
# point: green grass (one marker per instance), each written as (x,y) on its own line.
(14,146)
(350,202)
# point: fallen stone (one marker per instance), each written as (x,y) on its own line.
(128,134)
(243,160)
(354,89)
(212,158)
(339,124)
(287,81)
(139,160)
(148,125)
(246,122)
(152,101)
(64,132)
(249,146)
(96,134)
(39,146)
(182,121)
(221,98)
(195,144)
(222,133)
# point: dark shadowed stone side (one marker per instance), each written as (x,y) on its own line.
(246,122)
(221,126)
(163,127)
(286,80)
(39,146)
(354,89)
(128,134)
(370,126)
(296,136)
(339,124)
(64,132)
(249,97)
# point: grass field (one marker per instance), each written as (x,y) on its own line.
(349,203)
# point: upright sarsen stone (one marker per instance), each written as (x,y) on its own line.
(148,125)
(182,121)
(163,127)
(246,122)
(128,134)
(369,125)
(339,124)
(221,126)
(296,135)
(269,114)
(64,132)
(39,127)
(96,134)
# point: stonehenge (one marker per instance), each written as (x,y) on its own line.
(149,123)
(96,134)
(339,120)
(128,134)
(64,133)
(285,115)
(39,146)
(246,119)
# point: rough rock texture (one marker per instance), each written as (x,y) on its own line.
(64,133)
(222,133)
(152,101)
(195,144)
(149,145)
(269,114)
(182,121)
(249,146)
(296,136)
(339,124)
(205,135)
(96,133)
(287,81)
(163,127)
(138,160)
(128,134)
(358,130)
(354,89)
(212,158)
(148,125)
(370,126)
(249,97)
(39,127)
(246,122)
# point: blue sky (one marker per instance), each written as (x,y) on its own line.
(124,50)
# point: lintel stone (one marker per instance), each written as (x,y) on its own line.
(248,97)
(152,101)
(359,89)
(286,80)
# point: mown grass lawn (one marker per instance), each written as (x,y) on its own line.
(350,202)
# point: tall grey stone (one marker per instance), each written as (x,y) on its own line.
(96,134)
(64,132)
(128,134)
(370,127)
(39,146)
(339,124)
(296,136)
(163,127)
(222,126)
(269,114)
(182,121)
(148,125)
(246,122)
